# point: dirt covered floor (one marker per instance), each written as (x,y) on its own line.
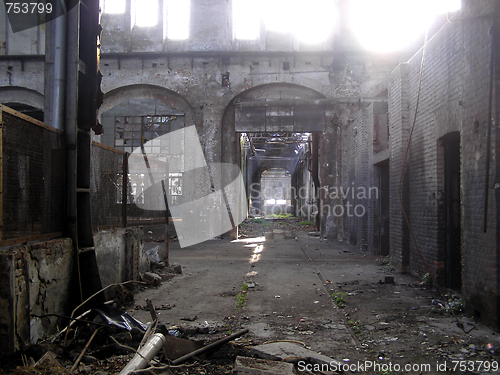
(283,283)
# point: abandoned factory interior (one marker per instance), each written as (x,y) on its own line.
(260,172)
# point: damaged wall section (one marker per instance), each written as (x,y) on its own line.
(120,254)
(34,280)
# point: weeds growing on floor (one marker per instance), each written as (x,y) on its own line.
(357,326)
(387,263)
(260,221)
(241,297)
(306,223)
(280,216)
(338,298)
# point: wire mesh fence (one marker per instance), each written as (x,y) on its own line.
(32,173)
(112,194)
(33,183)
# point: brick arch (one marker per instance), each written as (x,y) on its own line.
(22,95)
(167,97)
(271,91)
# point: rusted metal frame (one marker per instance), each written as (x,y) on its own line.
(97,144)
(38,237)
(31,120)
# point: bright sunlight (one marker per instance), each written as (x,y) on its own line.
(146,12)
(177,16)
(113,6)
(390,25)
(311,21)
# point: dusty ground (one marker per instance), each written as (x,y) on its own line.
(283,283)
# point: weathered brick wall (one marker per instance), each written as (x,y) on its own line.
(454,97)
(480,248)
(398,130)
(359,178)
(438,114)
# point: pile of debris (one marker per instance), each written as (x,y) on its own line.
(107,340)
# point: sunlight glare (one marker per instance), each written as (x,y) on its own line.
(114,6)
(315,22)
(246,20)
(178,19)
(146,13)
(250,240)
(310,21)
(390,25)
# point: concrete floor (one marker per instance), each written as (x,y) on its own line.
(293,275)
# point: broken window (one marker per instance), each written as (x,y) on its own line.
(136,131)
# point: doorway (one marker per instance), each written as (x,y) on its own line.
(452,211)
(381,222)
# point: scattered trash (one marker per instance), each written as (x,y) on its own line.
(153,254)
(174,332)
(438,303)
(152,278)
(389,280)
(490,348)
(209,347)
(250,284)
(118,318)
(175,347)
(189,319)
(277,296)
(177,269)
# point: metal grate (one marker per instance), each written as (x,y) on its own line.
(33,179)
(106,176)
(109,208)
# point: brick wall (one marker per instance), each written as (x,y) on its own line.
(454,99)
(480,248)
(398,131)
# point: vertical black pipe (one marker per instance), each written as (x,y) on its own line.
(315,176)
(490,122)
